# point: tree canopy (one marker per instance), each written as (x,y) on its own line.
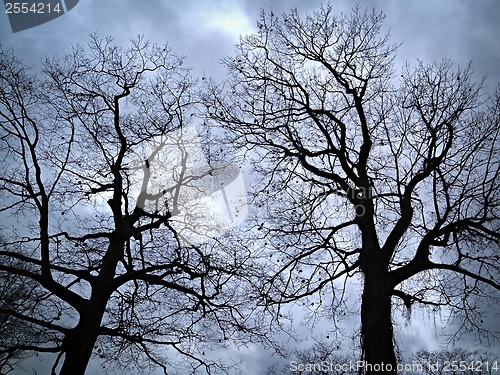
(362,171)
(121,188)
(104,197)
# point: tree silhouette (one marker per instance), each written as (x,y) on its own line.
(109,249)
(360,172)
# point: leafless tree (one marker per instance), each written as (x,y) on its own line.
(358,171)
(101,255)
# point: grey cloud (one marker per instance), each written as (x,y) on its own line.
(457,29)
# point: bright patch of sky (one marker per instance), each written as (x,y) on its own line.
(225,17)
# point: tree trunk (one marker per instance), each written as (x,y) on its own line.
(79,344)
(376,325)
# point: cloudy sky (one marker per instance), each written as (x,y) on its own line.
(205,31)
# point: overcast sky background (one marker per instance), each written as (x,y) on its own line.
(205,31)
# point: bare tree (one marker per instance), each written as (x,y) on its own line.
(358,174)
(104,253)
